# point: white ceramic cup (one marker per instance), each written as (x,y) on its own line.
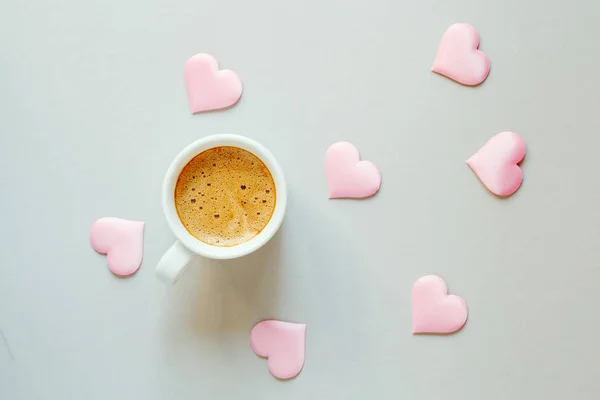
(176,259)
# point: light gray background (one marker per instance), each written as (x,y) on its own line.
(93,109)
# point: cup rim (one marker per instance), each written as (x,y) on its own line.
(168,196)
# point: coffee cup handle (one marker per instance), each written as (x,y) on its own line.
(173,263)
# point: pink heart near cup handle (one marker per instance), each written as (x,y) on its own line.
(122,241)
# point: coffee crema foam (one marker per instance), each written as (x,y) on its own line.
(225,196)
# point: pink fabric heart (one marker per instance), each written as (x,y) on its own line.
(434,311)
(347,177)
(122,241)
(458,57)
(282,343)
(496,163)
(208,87)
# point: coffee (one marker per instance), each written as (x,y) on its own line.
(225,196)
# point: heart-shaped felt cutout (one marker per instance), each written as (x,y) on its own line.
(458,56)
(434,311)
(347,176)
(496,163)
(283,343)
(208,87)
(122,241)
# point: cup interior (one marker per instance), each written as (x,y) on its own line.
(204,249)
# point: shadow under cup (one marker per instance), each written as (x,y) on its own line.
(173,263)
